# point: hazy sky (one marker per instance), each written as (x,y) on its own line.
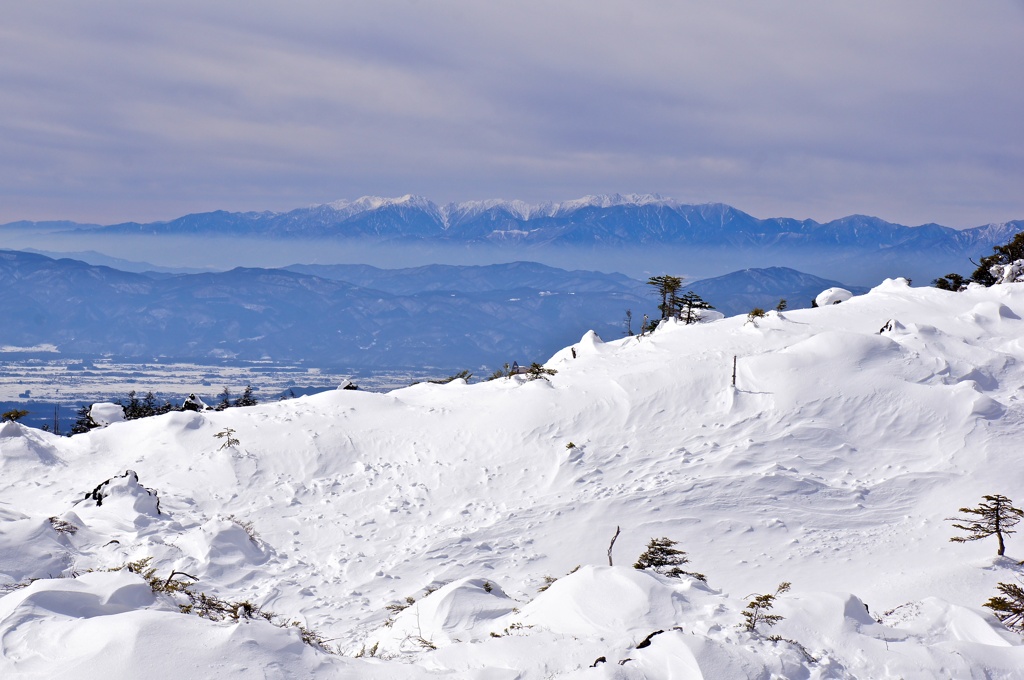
(117,110)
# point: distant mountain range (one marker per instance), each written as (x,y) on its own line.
(346,316)
(639,235)
(616,220)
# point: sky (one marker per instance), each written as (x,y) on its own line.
(117,110)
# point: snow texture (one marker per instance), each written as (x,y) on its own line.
(832,463)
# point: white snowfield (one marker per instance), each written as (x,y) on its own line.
(832,464)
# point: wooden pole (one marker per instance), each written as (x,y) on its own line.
(734,370)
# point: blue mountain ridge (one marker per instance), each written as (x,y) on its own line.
(346,316)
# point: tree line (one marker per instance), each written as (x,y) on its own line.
(135,407)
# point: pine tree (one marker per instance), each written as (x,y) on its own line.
(997,517)
(758,608)
(133,408)
(83,421)
(246,399)
(225,399)
(149,407)
(1004,254)
(667,286)
(688,307)
(662,557)
(1008,607)
(953,282)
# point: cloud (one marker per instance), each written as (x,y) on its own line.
(119,110)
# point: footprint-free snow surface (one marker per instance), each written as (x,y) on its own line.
(411,533)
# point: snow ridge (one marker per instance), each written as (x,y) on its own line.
(450,213)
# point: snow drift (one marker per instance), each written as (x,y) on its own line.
(411,531)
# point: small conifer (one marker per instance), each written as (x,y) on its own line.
(996,517)
(662,557)
(1008,607)
(758,609)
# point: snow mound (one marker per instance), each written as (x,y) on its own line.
(29,547)
(222,544)
(465,610)
(106,413)
(24,448)
(111,625)
(123,495)
(832,296)
(607,600)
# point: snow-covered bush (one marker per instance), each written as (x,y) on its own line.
(1004,265)
(1011,272)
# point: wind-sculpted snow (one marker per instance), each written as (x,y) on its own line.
(412,531)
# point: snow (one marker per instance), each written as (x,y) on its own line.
(851,433)
(832,296)
(449,213)
(106,413)
(1012,272)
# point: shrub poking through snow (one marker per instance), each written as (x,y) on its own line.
(248,528)
(212,607)
(548,580)
(996,517)
(461,375)
(754,314)
(62,526)
(1008,607)
(537,372)
(504,372)
(399,607)
(662,557)
(759,608)
(227,434)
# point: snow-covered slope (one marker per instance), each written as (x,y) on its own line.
(831,464)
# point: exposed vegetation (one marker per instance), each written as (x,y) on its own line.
(754,314)
(228,435)
(996,517)
(214,608)
(1008,607)
(662,557)
(758,610)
